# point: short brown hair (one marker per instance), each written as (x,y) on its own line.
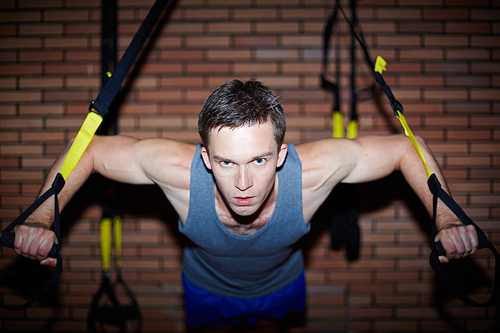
(236,104)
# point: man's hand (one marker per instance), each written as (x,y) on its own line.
(459,241)
(34,241)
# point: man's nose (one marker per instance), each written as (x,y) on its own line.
(243,182)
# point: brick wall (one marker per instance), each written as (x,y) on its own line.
(443,66)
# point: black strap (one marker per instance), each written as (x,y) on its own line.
(325,83)
(7,239)
(113,85)
(438,250)
(357,34)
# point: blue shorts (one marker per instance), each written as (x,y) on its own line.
(204,308)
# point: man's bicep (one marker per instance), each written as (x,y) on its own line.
(118,158)
(374,157)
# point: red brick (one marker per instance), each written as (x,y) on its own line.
(485,14)
(448,94)
(427,80)
(278,54)
(468,161)
(396,326)
(85,69)
(207,14)
(446,41)
(467,81)
(484,40)
(37,5)
(65,42)
(20,96)
(65,15)
(181,55)
(8,56)
(213,68)
(485,67)
(82,29)
(25,56)
(8,30)
(40,82)
(485,94)
(18,69)
(20,16)
(302,13)
(467,28)
(229,55)
(65,96)
(448,67)
(398,14)
(10,176)
(475,107)
(468,3)
(83,55)
(399,40)
(446,14)
(371,313)
(277,27)
(420,27)
(160,68)
(255,13)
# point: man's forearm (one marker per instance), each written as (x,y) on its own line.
(412,167)
(44,215)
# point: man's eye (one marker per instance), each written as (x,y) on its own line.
(225,163)
(260,161)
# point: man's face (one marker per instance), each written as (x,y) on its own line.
(244,161)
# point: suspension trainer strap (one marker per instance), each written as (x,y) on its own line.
(97,109)
(438,192)
(343,220)
(435,188)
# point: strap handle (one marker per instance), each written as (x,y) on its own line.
(438,250)
(7,239)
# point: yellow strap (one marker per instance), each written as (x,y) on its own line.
(380,64)
(82,140)
(338,124)
(409,134)
(352,129)
(105,227)
(117,224)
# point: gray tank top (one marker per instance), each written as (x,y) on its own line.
(231,265)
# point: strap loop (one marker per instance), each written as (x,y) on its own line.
(438,250)
(7,239)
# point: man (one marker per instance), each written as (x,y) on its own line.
(244,198)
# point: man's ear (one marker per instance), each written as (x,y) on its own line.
(282,154)
(206,158)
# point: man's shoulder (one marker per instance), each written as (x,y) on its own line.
(166,161)
(163,148)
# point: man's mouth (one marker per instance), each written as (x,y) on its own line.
(243,201)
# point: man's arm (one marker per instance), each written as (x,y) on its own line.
(330,161)
(124,159)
